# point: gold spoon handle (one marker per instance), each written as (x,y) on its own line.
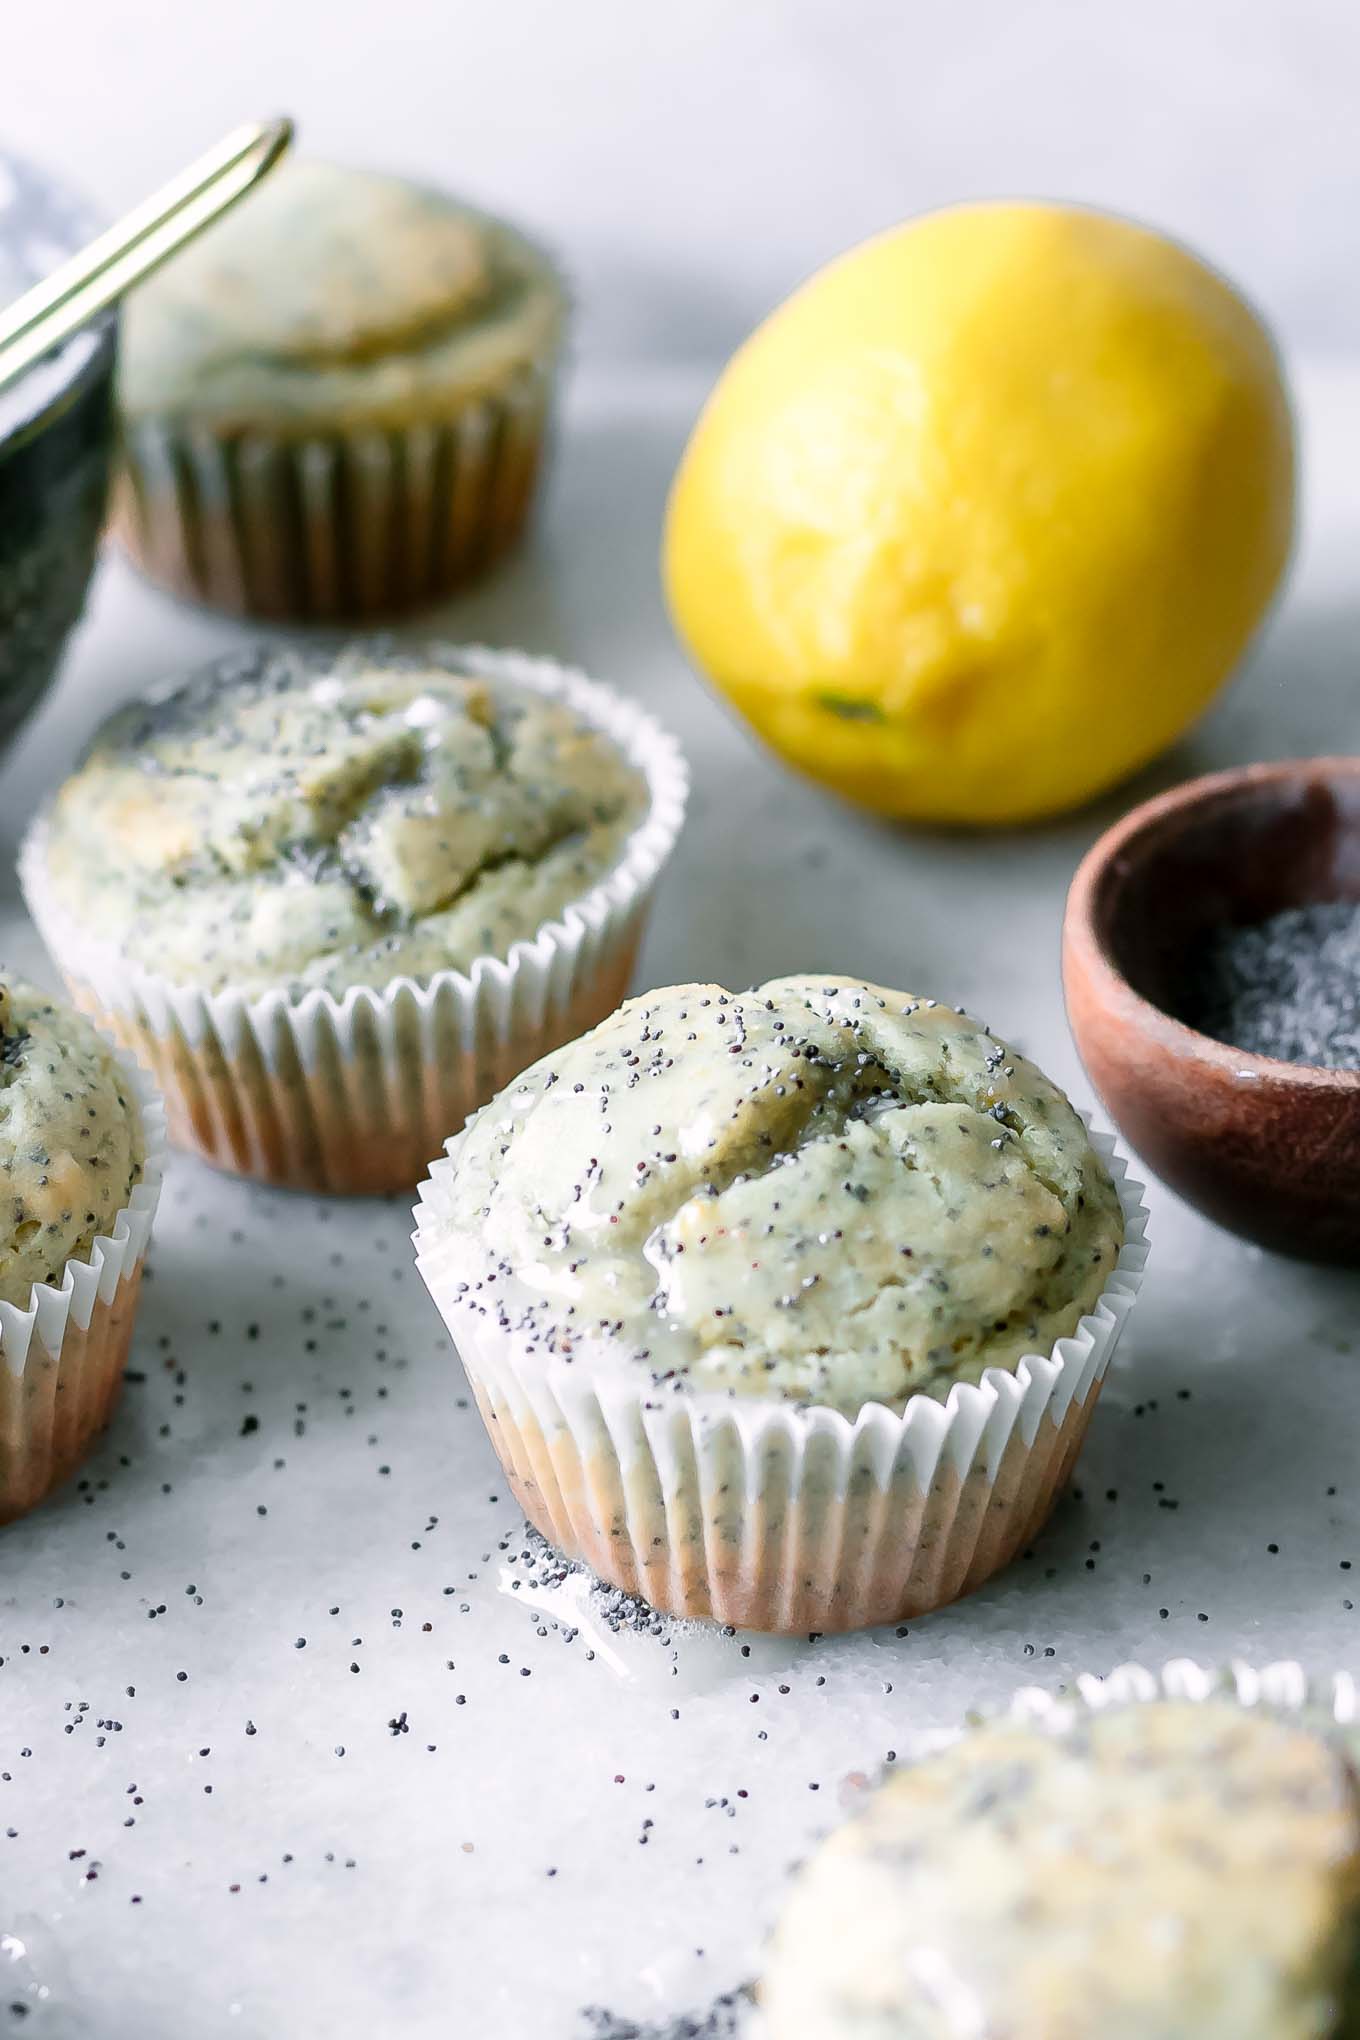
(83,287)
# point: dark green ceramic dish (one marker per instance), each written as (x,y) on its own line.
(55,444)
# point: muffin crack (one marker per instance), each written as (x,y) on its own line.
(332,821)
(812,1189)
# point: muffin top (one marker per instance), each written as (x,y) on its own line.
(71,1145)
(290,821)
(817,1190)
(334,290)
(1183,1870)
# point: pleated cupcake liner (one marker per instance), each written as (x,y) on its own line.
(1284,1686)
(346,525)
(354,1093)
(62,1356)
(767,1515)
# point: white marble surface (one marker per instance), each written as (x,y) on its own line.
(608,1829)
(692,159)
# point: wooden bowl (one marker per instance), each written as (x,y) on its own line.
(1270,1149)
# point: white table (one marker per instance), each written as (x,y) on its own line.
(295,1457)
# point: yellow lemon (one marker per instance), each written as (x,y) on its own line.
(976,523)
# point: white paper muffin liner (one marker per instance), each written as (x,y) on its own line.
(1283,1685)
(62,1358)
(350,524)
(764,1514)
(355,1093)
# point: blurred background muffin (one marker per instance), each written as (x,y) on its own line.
(1155,1856)
(334,405)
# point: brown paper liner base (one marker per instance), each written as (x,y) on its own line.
(350,1124)
(342,528)
(886,1556)
(51,1413)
